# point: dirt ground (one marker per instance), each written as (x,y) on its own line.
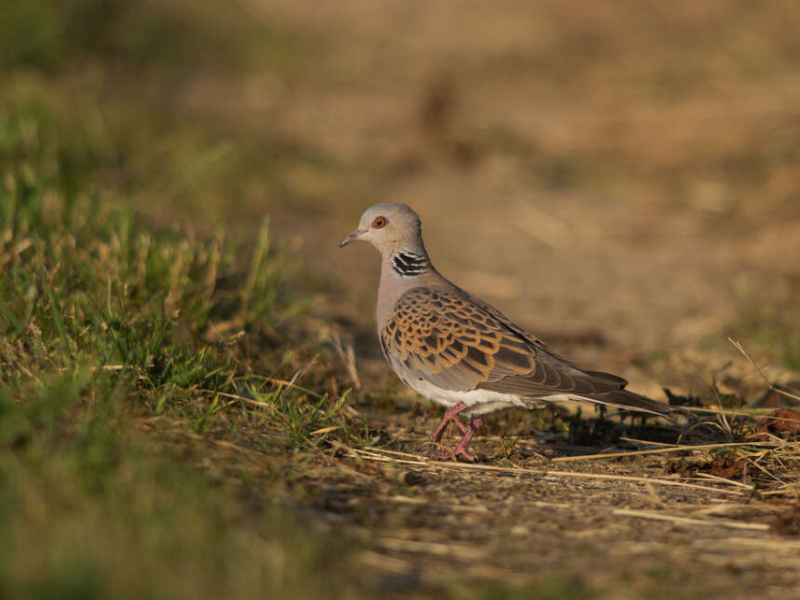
(618,172)
(621,178)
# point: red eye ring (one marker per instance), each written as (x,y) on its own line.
(379,222)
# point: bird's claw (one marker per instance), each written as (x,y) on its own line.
(468,430)
(452,454)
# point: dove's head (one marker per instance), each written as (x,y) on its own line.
(389,227)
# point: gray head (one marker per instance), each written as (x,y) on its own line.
(390,228)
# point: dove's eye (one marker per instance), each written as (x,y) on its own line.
(379,222)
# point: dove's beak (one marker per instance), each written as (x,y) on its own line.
(352,237)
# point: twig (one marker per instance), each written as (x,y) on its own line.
(645,442)
(325,430)
(768,546)
(644,514)
(788,488)
(752,413)
(435,548)
(659,451)
(771,386)
(286,383)
(292,381)
(235,397)
(396,453)
(372,455)
(348,356)
(711,477)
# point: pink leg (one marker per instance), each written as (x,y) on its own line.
(451,414)
(461,447)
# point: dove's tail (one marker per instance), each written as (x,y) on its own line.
(630,401)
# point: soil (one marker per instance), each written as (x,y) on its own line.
(619,178)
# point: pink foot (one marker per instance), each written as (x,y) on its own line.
(451,414)
(461,447)
(453,454)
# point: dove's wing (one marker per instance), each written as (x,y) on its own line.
(459,343)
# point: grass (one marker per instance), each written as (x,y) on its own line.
(176,421)
(157,37)
(94,510)
(109,327)
(141,363)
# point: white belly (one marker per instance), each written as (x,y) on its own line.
(479,401)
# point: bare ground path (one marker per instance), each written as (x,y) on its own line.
(619,179)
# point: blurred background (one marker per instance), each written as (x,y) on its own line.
(622,177)
(626,169)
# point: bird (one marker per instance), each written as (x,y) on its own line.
(460,352)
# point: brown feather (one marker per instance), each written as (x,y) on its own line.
(458,342)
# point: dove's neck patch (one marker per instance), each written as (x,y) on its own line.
(410,264)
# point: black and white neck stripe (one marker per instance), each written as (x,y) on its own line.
(410,264)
